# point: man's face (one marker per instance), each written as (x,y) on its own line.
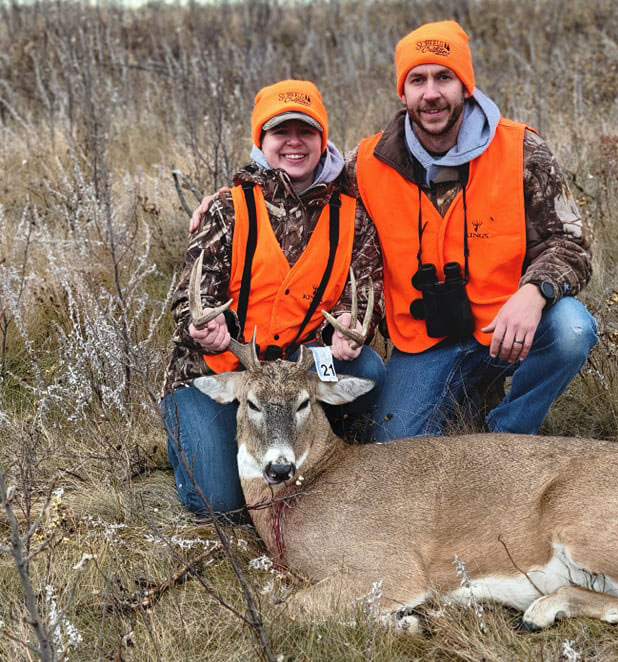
(434,98)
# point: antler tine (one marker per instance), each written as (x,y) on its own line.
(354,296)
(199,318)
(368,310)
(357,338)
(305,359)
(246,353)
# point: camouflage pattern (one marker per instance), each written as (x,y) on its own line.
(293,219)
(556,246)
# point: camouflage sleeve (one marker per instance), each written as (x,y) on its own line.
(350,182)
(214,237)
(366,263)
(557,249)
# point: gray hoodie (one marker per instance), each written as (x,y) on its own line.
(481,116)
(328,169)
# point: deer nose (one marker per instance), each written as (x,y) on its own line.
(277,473)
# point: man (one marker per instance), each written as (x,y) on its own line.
(467,186)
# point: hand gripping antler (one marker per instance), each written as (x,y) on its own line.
(357,339)
(199,318)
(245,353)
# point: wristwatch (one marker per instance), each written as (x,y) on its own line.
(548,291)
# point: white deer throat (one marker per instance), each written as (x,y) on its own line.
(248,466)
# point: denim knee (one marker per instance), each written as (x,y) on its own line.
(573,330)
(373,368)
(204,433)
(368,365)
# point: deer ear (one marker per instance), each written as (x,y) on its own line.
(222,388)
(343,391)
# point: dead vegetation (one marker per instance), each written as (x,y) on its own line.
(97,105)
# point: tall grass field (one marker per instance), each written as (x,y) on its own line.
(98,105)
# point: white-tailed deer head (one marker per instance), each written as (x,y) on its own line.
(275,413)
(279,417)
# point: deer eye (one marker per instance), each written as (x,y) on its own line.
(252,406)
(303,405)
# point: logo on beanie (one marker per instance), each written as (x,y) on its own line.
(435,46)
(295,97)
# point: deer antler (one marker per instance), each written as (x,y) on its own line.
(357,338)
(305,359)
(199,318)
(245,353)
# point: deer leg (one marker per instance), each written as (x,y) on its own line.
(340,592)
(402,621)
(567,602)
(327,597)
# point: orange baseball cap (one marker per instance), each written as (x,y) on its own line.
(287,100)
(444,42)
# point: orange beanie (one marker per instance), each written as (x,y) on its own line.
(292,99)
(442,43)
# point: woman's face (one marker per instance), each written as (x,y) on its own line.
(295,147)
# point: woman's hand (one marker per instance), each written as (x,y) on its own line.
(340,345)
(214,337)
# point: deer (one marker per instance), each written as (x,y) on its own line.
(532,518)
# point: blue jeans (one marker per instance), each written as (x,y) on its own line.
(205,431)
(422,390)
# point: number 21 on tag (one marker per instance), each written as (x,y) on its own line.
(324,366)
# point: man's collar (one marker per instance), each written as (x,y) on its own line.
(391,147)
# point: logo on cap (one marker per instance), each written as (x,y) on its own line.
(435,46)
(295,97)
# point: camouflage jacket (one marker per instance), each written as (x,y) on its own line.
(293,219)
(556,247)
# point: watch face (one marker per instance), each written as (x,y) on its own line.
(548,290)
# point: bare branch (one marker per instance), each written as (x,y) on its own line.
(525,574)
(45,650)
(255,618)
(176,173)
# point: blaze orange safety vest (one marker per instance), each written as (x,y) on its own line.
(496,233)
(280,295)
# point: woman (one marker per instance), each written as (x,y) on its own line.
(280,244)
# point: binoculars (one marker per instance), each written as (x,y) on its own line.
(444,305)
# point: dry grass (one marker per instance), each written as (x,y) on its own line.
(97,104)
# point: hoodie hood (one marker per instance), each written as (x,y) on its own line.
(481,117)
(328,169)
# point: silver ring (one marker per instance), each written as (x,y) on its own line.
(519,342)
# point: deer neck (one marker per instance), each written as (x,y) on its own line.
(322,456)
(269,505)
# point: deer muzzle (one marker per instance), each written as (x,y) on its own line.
(276,472)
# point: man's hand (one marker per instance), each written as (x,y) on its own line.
(340,346)
(515,324)
(196,217)
(214,337)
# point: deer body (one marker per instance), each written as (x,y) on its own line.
(399,513)
(532,518)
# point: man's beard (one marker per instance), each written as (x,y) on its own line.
(455,114)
